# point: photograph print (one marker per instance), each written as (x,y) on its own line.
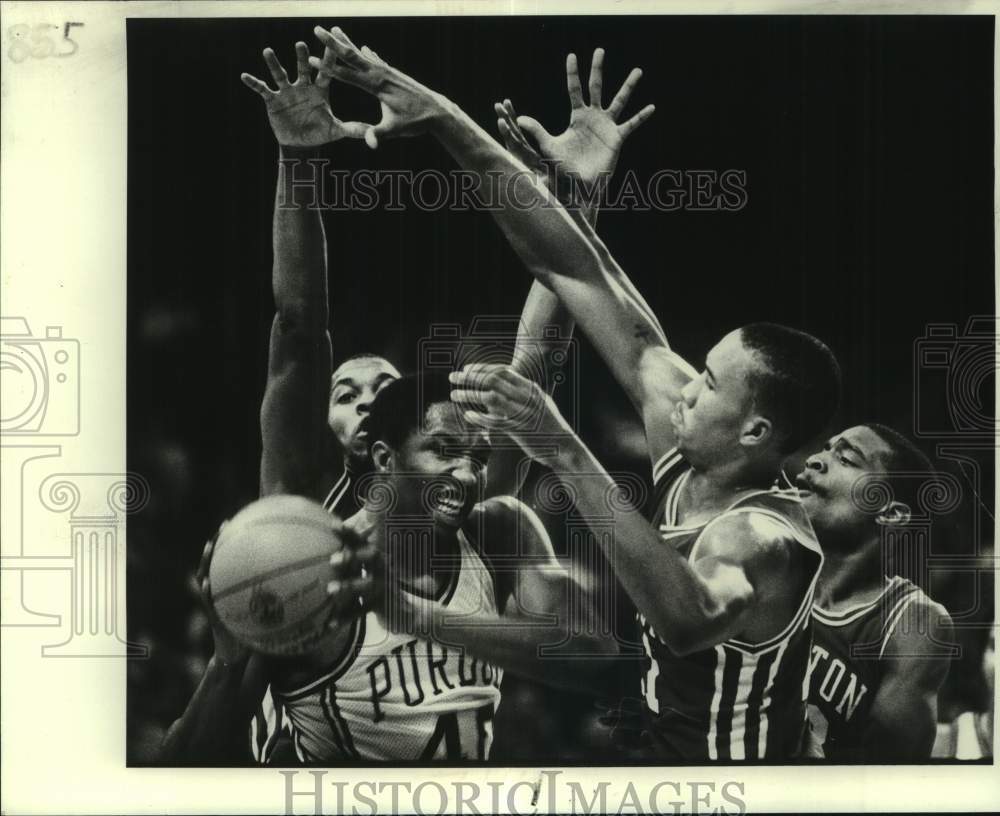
(561,390)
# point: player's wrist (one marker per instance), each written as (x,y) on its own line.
(287,151)
(442,114)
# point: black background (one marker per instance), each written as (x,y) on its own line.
(867,144)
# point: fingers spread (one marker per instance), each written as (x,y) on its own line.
(597,77)
(573,82)
(277,71)
(327,69)
(627,127)
(346,50)
(302,72)
(621,98)
(255,84)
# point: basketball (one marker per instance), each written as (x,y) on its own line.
(269,572)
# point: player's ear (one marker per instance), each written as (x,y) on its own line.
(381,457)
(895,512)
(757,430)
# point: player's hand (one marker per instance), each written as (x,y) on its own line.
(589,147)
(355,570)
(299,111)
(228,650)
(497,398)
(408,107)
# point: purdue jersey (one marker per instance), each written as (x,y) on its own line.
(737,700)
(399,697)
(846,667)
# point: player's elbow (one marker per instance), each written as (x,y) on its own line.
(713,623)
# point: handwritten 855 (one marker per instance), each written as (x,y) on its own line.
(39,41)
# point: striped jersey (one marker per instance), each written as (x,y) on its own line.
(846,666)
(737,700)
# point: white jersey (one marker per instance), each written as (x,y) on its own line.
(395,697)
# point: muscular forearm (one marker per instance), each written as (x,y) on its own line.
(661,583)
(299,276)
(214,725)
(519,645)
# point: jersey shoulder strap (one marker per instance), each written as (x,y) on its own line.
(668,472)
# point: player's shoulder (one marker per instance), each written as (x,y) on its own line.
(918,628)
(919,644)
(500,510)
(748,535)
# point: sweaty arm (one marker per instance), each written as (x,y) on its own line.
(904,712)
(535,621)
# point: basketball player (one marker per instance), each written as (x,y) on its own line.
(301,400)
(880,646)
(725,592)
(393,685)
(301,119)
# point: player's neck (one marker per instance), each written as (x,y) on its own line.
(718,485)
(849,577)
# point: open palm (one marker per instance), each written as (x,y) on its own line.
(299,111)
(589,147)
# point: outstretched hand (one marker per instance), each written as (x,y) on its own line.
(299,111)
(497,398)
(407,106)
(589,147)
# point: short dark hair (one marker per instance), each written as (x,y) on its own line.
(904,458)
(400,407)
(796,384)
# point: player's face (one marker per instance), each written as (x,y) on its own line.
(353,387)
(828,481)
(709,417)
(441,468)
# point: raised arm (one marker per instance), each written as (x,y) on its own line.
(566,256)
(576,166)
(294,409)
(742,561)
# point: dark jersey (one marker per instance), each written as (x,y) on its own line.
(270,721)
(736,700)
(846,667)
